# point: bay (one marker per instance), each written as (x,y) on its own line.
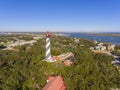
(110,39)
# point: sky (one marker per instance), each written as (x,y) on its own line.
(60,15)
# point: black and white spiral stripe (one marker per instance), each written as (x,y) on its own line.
(48,54)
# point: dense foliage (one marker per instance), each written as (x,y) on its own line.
(14,38)
(117,47)
(24,68)
(116,51)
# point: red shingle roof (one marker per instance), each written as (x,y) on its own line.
(56,83)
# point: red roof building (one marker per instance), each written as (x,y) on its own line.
(55,83)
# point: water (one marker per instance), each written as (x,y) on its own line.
(109,39)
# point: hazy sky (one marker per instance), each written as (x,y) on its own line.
(60,15)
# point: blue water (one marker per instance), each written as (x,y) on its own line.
(109,39)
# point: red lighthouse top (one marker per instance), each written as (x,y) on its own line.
(48,34)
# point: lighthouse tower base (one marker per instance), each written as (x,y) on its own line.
(50,60)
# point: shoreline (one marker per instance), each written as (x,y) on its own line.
(103,34)
(100,37)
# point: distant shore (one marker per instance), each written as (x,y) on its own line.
(105,34)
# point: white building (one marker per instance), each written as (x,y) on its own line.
(111,47)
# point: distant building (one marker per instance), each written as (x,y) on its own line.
(81,45)
(76,40)
(100,47)
(92,48)
(117,64)
(68,61)
(54,83)
(103,47)
(1,42)
(111,47)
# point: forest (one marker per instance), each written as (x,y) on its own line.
(117,51)
(15,37)
(24,68)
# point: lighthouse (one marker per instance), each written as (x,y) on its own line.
(48,53)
